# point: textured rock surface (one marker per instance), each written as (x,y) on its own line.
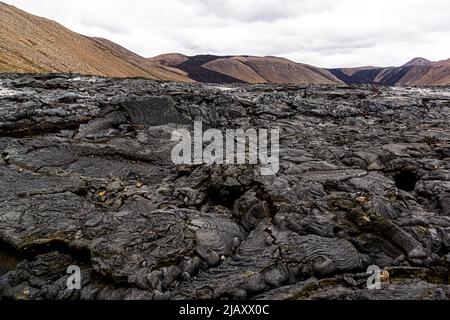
(87,179)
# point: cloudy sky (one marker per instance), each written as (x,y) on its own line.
(326,33)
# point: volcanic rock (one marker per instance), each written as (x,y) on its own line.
(87,180)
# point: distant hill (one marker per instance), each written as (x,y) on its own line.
(248,69)
(170,59)
(434,74)
(417,72)
(417,62)
(32,44)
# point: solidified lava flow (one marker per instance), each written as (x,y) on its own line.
(87,179)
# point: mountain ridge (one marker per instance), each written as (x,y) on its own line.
(416,72)
(248,69)
(269,69)
(29,43)
(418,61)
(32,44)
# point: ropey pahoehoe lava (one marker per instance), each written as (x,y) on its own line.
(87,180)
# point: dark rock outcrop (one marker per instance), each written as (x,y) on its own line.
(87,179)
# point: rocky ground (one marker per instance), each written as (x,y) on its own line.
(87,179)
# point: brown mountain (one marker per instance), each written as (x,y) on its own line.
(417,62)
(228,69)
(417,72)
(434,74)
(33,44)
(170,59)
(235,68)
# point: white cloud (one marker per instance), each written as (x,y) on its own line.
(326,33)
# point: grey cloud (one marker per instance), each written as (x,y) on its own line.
(261,10)
(105,24)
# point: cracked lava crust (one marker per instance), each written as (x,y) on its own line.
(87,179)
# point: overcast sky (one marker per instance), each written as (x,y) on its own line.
(325,33)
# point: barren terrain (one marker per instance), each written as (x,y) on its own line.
(87,180)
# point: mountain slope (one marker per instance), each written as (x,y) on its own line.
(417,72)
(196,70)
(170,59)
(371,75)
(418,62)
(280,70)
(435,74)
(228,69)
(33,44)
(235,68)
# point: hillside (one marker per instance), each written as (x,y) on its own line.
(33,44)
(435,74)
(247,69)
(170,59)
(417,72)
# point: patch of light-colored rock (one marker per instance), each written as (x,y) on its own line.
(5,92)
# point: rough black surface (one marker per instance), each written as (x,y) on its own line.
(87,179)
